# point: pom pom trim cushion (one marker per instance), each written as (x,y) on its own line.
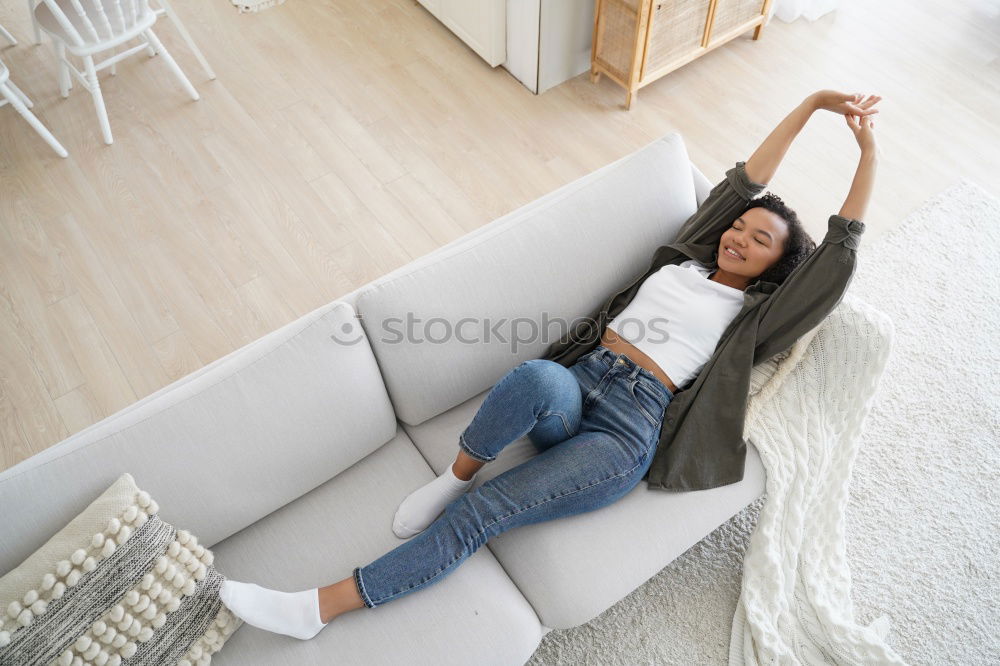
(117,583)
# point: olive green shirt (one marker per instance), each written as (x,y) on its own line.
(701,442)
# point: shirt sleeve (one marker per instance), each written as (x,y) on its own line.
(812,290)
(724,203)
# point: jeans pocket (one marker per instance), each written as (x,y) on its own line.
(647,401)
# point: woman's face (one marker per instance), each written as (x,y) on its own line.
(758,237)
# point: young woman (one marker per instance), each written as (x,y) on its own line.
(596,422)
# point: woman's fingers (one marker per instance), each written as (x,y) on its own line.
(872,99)
(864,108)
(860,111)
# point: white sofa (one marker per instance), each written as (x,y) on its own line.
(289,456)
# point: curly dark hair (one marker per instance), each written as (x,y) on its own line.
(798,245)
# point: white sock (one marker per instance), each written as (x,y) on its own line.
(424,505)
(294,614)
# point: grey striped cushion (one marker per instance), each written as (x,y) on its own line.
(117,585)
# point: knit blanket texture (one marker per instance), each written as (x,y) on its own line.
(795,598)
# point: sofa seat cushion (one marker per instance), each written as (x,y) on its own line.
(614,549)
(446,329)
(475,615)
(223,447)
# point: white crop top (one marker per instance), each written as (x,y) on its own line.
(677,318)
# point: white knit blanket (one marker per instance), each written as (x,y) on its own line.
(795,600)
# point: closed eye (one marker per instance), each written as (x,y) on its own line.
(757,239)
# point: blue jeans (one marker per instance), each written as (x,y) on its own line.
(596,425)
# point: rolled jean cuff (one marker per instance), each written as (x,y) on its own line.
(361,588)
(462,444)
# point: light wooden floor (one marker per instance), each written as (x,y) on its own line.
(344,139)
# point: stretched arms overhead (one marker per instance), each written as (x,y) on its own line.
(816,286)
(748,179)
(765,160)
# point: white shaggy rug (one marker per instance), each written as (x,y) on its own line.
(923,519)
(255,5)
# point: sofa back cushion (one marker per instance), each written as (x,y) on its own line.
(446,329)
(222,447)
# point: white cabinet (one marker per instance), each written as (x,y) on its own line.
(540,42)
(479,23)
(548,41)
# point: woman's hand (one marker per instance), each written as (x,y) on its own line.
(844,103)
(864,131)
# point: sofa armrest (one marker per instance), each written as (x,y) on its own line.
(702,185)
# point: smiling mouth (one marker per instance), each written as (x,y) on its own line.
(729,252)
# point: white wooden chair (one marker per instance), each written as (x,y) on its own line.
(164,10)
(87,27)
(11,94)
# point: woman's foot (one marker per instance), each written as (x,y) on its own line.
(294,614)
(423,505)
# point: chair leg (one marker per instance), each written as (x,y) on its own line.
(64,81)
(95,91)
(9,37)
(34,21)
(19,106)
(24,98)
(187,37)
(172,64)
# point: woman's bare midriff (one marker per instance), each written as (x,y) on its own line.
(619,345)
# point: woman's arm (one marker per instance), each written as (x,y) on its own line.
(818,284)
(861,189)
(864,178)
(765,160)
(811,292)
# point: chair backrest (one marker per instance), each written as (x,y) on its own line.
(89,22)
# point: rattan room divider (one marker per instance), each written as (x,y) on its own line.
(637,41)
